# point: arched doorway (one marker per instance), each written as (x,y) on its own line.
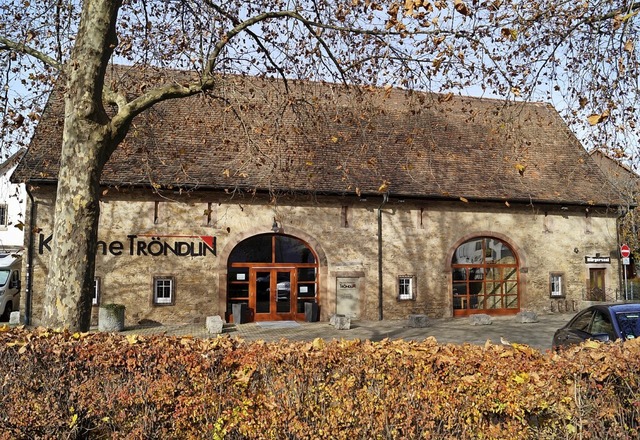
(274,275)
(485,278)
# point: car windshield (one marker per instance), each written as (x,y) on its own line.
(4,275)
(629,323)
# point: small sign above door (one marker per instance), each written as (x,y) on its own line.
(592,260)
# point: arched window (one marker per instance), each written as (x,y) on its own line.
(273,275)
(485,278)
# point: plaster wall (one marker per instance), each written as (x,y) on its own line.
(13,196)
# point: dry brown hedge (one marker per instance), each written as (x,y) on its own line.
(60,385)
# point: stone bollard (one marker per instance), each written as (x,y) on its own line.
(111,318)
(340,322)
(418,321)
(214,324)
(14,318)
(480,319)
(526,316)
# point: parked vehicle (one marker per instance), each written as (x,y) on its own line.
(10,266)
(604,322)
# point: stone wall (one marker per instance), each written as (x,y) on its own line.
(419,239)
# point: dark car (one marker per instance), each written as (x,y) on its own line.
(605,322)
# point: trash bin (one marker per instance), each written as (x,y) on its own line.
(311,312)
(239,312)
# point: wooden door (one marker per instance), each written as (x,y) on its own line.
(596,285)
(273,294)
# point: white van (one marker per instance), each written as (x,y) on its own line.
(10,266)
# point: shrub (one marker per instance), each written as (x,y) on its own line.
(64,385)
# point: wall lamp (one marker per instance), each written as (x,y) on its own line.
(274,227)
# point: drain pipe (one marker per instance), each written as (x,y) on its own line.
(385,199)
(29,275)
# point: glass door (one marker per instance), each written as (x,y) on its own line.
(273,294)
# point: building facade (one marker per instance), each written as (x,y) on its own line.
(452,210)
(12,207)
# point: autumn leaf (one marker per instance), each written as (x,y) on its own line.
(18,120)
(243,376)
(495,5)
(334,139)
(628,46)
(464,200)
(509,34)
(383,188)
(521,168)
(462,8)
(226,173)
(318,344)
(591,344)
(583,102)
(596,119)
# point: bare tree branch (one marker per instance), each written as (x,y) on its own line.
(23,48)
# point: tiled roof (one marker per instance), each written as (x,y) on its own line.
(12,161)
(626,181)
(250,134)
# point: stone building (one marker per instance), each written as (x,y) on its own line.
(373,203)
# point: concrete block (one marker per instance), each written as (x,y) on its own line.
(332,319)
(14,318)
(342,322)
(480,319)
(526,317)
(214,324)
(418,321)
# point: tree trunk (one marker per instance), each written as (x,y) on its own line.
(71,267)
(88,141)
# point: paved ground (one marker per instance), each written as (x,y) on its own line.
(447,330)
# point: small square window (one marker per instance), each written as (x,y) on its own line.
(163,290)
(556,285)
(96,292)
(405,287)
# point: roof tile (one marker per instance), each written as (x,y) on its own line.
(252,133)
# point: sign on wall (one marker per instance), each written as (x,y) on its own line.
(597,259)
(154,245)
(347,297)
